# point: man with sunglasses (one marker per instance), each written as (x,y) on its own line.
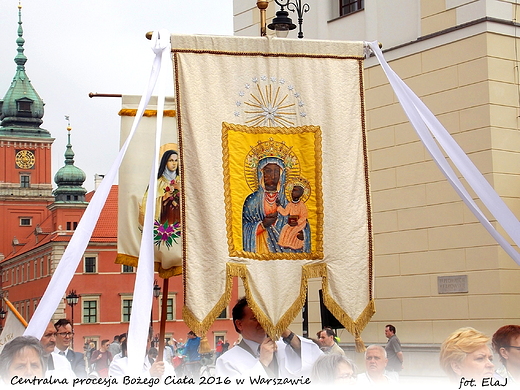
(64,336)
(506,343)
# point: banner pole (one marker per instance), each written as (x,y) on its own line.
(15,312)
(162,329)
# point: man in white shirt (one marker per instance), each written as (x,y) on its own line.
(258,355)
(58,366)
(375,364)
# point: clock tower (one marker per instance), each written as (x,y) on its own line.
(25,158)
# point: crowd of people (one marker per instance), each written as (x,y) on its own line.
(465,356)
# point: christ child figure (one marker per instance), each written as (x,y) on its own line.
(291,235)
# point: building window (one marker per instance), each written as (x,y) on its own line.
(90,264)
(25,221)
(126,310)
(25,181)
(347,7)
(90,309)
(127,269)
(219,336)
(24,107)
(41,268)
(170,307)
(223,314)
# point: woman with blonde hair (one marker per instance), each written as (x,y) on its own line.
(465,353)
(334,369)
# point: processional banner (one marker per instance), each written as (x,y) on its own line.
(274,174)
(134,176)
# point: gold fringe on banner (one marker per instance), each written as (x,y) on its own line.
(133,261)
(275,330)
(133,112)
(200,328)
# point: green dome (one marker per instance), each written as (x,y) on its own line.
(69,179)
(21,110)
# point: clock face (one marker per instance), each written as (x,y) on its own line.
(25,159)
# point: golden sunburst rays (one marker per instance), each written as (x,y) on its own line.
(269,107)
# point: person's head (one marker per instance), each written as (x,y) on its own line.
(152,352)
(246,323)
(104,345)
(465,353)
(64,334)
(124,346)
(506,343)
(271,175)
(116,338)
(22,357)
(333,369)
(375,361)
(326,337)
(48,340)
(296,193)
(191,335)
(389,331)
(170,161)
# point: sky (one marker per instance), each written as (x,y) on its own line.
(76,47)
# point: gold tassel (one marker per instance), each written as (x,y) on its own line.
(204,345)
(360,345)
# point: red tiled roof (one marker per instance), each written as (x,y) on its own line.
(106,227)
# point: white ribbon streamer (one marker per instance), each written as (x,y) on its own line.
(143,289)
(81,237)
(431,130)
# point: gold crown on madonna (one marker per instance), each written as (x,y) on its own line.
(271,148)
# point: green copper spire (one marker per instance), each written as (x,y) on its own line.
(21,110)
(69,178)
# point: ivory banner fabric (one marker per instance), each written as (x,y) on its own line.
(134,176)
(274,174)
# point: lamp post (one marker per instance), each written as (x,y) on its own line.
(156,289)
(156,294)
(282,23)
(72,300)
(3,313)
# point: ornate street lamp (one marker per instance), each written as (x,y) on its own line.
(3,313)
(72,300)
(156,289)
(282,24)
(156,294)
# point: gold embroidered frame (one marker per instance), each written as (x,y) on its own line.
(234,203)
